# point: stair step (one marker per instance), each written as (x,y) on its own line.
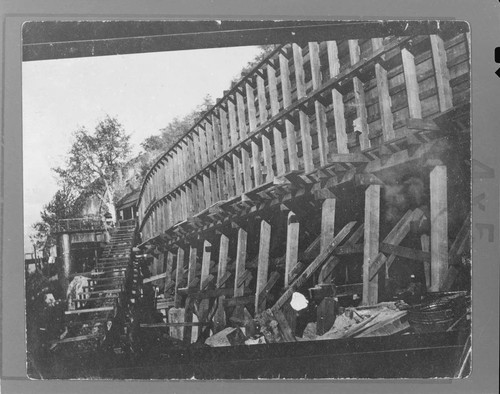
(90,310)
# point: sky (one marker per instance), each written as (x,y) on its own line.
(143,91)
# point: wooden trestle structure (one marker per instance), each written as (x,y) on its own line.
(286,183)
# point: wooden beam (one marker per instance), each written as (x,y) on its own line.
(292,244)
(220,316)
(384,99)
(425,243)
(412,90)
(205,268)
(179,276)
(321,128)
(327,222)
(305,127)
(252,123)
(241,256)
(371,243)
(266,142)
(337,99)
(439,226)
(359,95)
(263,264)
(441,72)
(275,109)
(317,263)
(287,101)
(243,133)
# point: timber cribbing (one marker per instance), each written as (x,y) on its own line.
(306,112)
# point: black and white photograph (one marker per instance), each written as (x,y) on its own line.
(229,199)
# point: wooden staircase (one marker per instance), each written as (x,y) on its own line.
(90,316)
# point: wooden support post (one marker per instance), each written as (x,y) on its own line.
(287,101)
(305,127)
(220,316)
(228,170)
(425,242)
(193,252)
(67,267)
(241,256)
(205,268)
(266,142)
(179,273)
(384,98)
(371,243)
(263,265)
(168,271)
(338,101)
(442,73)
(359,96)
(176,315)
(439,226)
(412,90)
(245,159)
(234,141)
(327,222)
(218,151)
(275,109)
(318,107)
(292,244)
(252,123)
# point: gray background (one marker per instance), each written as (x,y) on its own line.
(483,17)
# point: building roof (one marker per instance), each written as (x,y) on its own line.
(128,200)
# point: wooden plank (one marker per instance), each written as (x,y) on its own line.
(212,170)
(218,151)
(234,141)
(263,264)
(225,139)
(407,253)
(439,226)
(384,99)
(275,109)
(305,127)
(205,268)
(327,222)
(245,159)
(241,256)
(292,244)
(179,276)
(412,90)
(285,329)
(193,253)
(317,263)
(266,142)
(326,315)
(425,242)
(319,110)
(176,316)
(79,338)
(252,123)
(286,89)
(338,101)
(395,236)
(442,73)
(359,97)
(90,310)
(154,278)
(371,243)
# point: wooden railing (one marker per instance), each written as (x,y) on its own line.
(301,108)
